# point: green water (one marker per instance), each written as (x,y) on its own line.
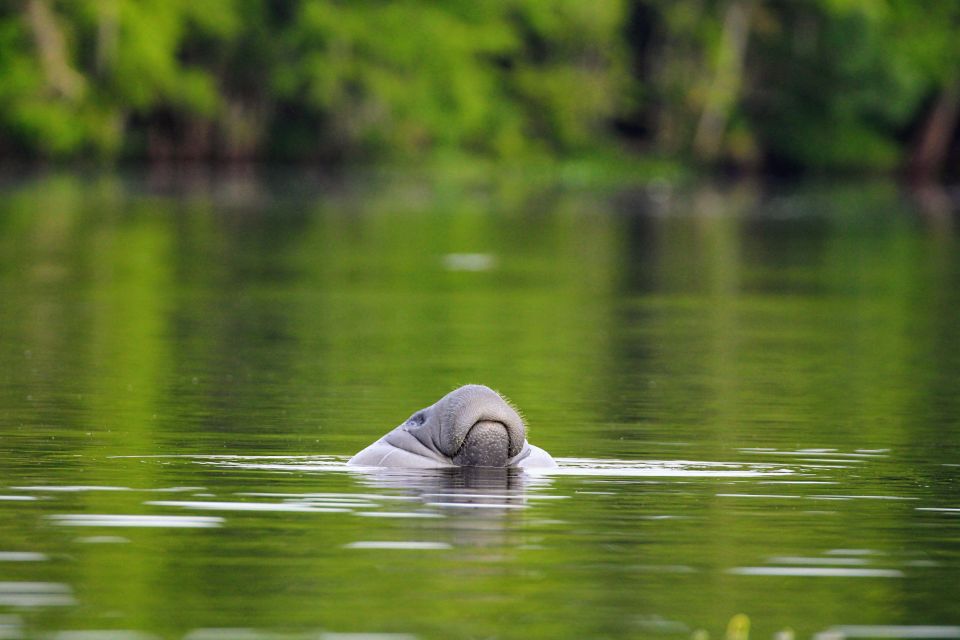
(752,392)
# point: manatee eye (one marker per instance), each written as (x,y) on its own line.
(417,419)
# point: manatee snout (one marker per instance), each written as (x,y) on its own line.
(479,428)
(487,445)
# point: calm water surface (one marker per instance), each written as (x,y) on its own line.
(753,393)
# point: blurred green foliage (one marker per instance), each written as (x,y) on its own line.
(824,84)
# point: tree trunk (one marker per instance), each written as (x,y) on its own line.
(52,49)
(933,144)
(727,78)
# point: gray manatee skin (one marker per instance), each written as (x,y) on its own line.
(469,427)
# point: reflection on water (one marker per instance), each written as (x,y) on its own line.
(99,520)
(888,631)
(751,393)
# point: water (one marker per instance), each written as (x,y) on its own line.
(752,393)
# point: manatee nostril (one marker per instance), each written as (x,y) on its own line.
(417,419)
(487,444)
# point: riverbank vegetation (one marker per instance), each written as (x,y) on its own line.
(823,85)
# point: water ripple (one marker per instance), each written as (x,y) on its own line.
(662,468)
(21,556)
(209,505)
(113,520)
(888,631)
(409,545)
(819,572)
(36,594)
(566,466)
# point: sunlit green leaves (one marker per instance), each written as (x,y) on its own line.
(825,84)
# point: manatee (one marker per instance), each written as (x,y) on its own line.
(469,427)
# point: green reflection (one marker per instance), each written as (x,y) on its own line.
(273,316)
